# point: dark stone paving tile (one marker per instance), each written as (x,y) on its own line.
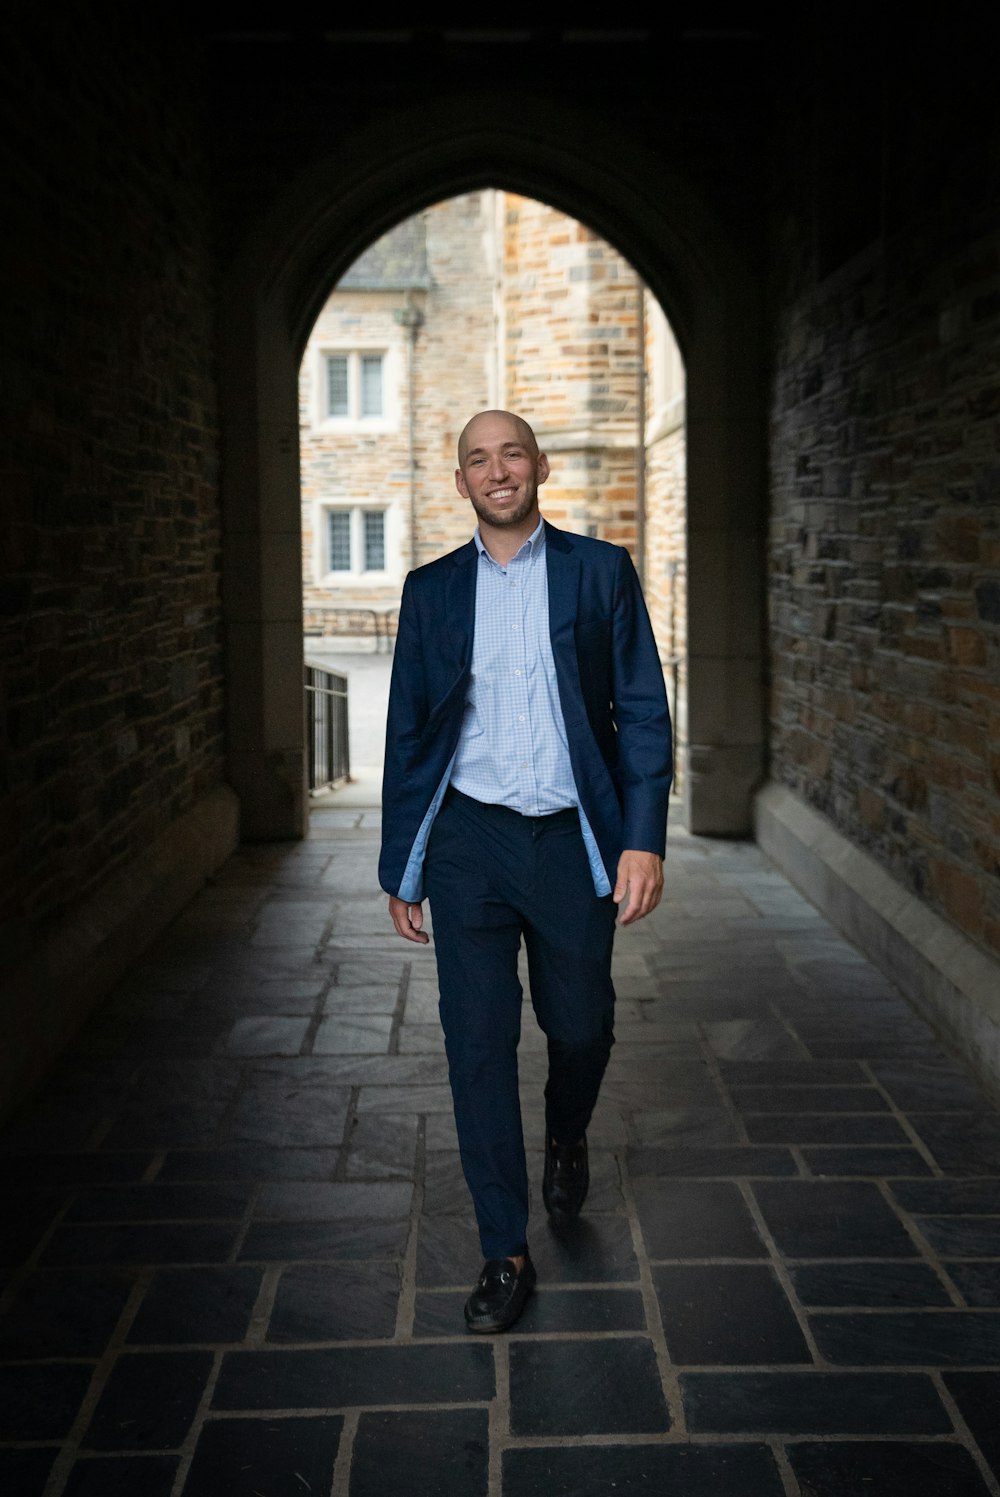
(267,1241)
(686,1125)
(977,1283)
(760,1039)
(64,1313)
(841,978)
(791,1072)
(977,1395)
(854,1468)
(548,1310)
(122,1476)
(813,1403)
(180,1242)
(962,1236)
(74,1169)
(382,1146)
(197,1305)
(910,1338)
(638,1470)
(879,1285)
(563,1388)
(337,1201)
(715,1314)
(447,1252)
(249,1457)
(158,1202)
(836,1219)
(40,1402)
(149,1401)
(740,1160)
(784,1099)
(24,1473)
(882,1160)
(282,1111)
(823,1128)
(592,1250)
(165,1127)
(942,1197)
(928,1089)
(448,1447)
(445,1190)
(351,1376)
(688,1219)
(353,1301)
(249,1164)
(886,1049)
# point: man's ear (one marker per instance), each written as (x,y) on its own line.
(461,484)
(542,468)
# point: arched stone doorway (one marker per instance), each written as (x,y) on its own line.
(271,298)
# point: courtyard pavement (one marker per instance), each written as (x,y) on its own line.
(237,1240)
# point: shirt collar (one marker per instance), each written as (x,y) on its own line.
(532,547)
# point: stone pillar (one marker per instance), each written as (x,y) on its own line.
(726,719)
(262,578)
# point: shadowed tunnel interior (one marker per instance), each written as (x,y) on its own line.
(235,1237)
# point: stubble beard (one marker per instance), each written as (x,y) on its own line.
(501,519)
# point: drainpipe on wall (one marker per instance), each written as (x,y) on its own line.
(640,439)
(412,319)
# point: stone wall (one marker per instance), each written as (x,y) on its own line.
(885,495)
(110,660)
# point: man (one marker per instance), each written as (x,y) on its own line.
(527,771)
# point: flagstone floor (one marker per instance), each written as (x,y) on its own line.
(237,1240)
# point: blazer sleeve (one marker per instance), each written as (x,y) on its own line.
(405,720)
(641,716)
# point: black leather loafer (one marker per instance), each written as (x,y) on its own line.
(565,1179)
(500,1294)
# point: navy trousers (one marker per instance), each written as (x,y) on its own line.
(493,876)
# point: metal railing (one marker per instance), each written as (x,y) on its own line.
(326,726)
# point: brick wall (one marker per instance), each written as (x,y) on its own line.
(885,531)
(110,664)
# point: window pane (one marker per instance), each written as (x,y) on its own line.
(374,540)
(340,540)
(336,384)
(371,384)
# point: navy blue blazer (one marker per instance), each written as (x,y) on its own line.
(610,688)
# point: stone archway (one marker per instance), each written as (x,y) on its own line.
(276,287)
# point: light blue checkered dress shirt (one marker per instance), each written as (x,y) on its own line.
(513,750)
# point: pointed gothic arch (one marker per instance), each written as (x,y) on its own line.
(275,288)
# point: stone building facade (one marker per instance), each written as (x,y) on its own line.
(487,299)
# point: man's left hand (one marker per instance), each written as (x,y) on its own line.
(640,882)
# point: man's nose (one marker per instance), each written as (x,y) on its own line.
(498,467)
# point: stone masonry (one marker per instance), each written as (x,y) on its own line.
(110,648)
(885,565)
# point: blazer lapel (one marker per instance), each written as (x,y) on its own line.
(460,605)
(563,568)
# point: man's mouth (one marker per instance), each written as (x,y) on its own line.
(502,494)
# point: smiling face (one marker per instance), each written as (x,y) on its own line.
(500,470)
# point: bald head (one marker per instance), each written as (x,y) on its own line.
(519,428)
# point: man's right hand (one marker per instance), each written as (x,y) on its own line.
(408,920)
